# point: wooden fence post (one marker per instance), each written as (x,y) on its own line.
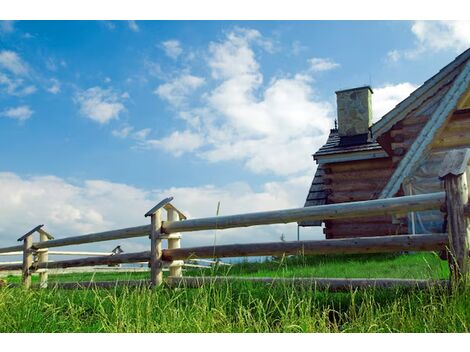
(155,262)
(174,241)
(43,257)
(453,173)
(27,240)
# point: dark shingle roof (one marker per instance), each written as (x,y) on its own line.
(332,146)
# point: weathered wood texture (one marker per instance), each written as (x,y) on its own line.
(383,244)
(174,242)
(324,212)
(27,260)
(156,264)
(131,232)
(455,183)
(315,283)
(43,257)
(358,181)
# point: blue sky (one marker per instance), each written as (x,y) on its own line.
(99,120)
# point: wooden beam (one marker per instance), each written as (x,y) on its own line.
(339,284)
(27,259)
(321,212)
(382,244)
(175,243)
(137,257)
(99,284)
(156,264)
(455,184)
(43,257)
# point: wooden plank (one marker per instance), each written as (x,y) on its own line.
(383,244)
(447,140)
(43,257)
(349,196)
(27,260)
(361,165)
(99,284)
(322,212)
(130,232)
(456,188)
(357,185)
(337,284)
(137,257)
(156,264)
(358,175)
(175,243)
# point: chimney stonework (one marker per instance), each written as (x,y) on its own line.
(354,111)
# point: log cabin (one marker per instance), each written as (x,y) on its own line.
(398,155)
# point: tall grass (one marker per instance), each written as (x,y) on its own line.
(251,307)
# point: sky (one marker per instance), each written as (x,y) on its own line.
(100,120)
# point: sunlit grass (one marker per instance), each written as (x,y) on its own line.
(249,307)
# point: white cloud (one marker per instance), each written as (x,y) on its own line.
(271,128)
(172,48)
(128,131)
(123,132)
(133,26)
(55,86)
(13,63)
(20,113)
(15,86)
(176,91)
(177,142)
(99,105)
(434,36)
(385,98)
(318,64)
(98,205)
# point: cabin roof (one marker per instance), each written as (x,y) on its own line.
(332,146)
(443,77)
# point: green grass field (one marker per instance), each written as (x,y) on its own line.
(248,307)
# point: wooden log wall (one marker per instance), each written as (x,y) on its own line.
(355,181)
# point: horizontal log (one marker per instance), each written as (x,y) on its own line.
(357,185)
(98,284)
(366,228)
(385,244)
(345,197)
(339,284)
(455,140)
(129,232)
(320,212)
(360,165)
(378,174)
(91,261)
(354,233)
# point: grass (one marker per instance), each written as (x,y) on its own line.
(249,307)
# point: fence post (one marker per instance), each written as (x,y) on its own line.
(453,173)
(43,257)
(174,241)
(27,240)
(156,263)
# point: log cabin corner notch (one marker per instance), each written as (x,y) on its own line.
(397,155)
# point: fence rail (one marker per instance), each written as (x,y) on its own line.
(454,202)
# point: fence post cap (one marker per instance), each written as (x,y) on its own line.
(47,234)
(22,238)
(170,206)
(455,162)
(159,206)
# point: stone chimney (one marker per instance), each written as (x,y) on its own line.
(354,115)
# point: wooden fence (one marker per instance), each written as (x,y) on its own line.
(453,202)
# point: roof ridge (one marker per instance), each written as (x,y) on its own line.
(379,127)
